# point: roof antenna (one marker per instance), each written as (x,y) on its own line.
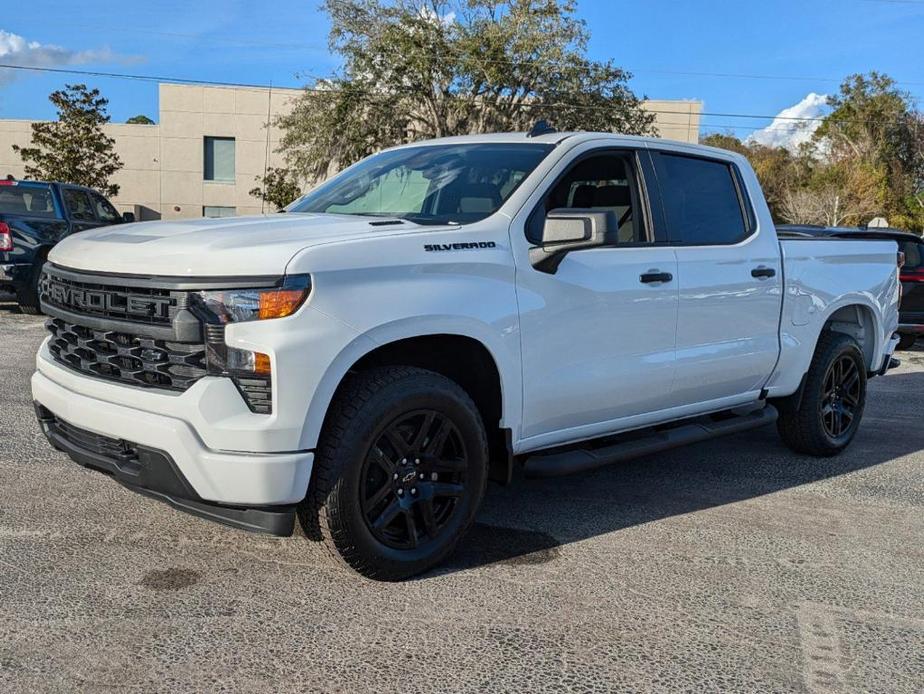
(541,127)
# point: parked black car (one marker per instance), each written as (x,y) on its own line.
(911,311)
(34,216)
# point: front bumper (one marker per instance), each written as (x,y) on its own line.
(154,473)
(218,476)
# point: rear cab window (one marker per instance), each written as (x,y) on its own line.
(703,200)
(28,200)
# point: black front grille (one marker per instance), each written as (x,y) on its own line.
(126,358)
(138,304)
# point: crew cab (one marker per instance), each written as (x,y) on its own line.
(445,313)
(34,216)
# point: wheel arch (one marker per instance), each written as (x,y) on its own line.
(466,359)
(853,317)
(860,322)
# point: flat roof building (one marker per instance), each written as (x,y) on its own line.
(211,144)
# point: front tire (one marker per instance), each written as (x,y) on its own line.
(28,296)
(399,473)
(833,399)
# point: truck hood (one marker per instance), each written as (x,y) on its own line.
(233,246)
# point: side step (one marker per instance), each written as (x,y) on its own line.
(644,442)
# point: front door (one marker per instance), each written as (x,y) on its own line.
(79,209)
(597,333)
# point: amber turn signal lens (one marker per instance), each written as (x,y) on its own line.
(261,362)
(280,303)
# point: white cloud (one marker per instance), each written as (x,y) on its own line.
(431,15)
(16,50)
(787,132)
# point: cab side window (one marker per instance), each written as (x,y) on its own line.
(104,209)
(78,205)
(604,182)
(703,201)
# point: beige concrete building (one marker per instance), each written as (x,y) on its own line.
(211,143)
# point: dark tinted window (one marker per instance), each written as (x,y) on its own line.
(34,201)
(701,200)
(104,209)
(912,251)
(78,205)
(433,184)
(603,183)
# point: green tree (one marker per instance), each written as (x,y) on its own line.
(74,148)
(140,119)
(873,142)
(415,69)
(866,159)
(277,187)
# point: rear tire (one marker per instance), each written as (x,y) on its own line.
(906,341)
(399,473)
(833,399)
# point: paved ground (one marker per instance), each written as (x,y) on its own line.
(732,565)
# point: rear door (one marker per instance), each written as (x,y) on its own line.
(730,279)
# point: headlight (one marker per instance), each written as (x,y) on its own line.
(237,305)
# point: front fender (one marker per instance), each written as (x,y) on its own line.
(402,329)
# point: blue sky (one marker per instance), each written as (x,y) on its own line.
(800,47)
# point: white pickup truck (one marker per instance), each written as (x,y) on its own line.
(441,314)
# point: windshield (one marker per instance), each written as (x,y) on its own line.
(434,184)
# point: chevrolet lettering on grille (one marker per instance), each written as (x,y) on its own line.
(108,301)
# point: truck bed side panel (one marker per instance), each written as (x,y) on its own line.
(822,276)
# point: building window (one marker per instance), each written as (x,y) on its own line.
(218,211)
(219,159)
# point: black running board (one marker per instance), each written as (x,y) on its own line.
(645,443)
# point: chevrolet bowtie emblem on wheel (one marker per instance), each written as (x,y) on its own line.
(408,477)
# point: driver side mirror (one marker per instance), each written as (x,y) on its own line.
(128,217)
(568,229)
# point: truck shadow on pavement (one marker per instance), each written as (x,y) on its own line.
(528,521)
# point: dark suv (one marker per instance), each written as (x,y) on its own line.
(34,216)
(911,312)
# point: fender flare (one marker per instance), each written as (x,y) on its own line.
(387,333)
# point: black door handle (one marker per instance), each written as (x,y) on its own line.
(762,272)
(650,277)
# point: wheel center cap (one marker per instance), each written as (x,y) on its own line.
(409,477)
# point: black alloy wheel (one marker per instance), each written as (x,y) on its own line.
(841,396)
(823,416)
(400,470)
(412,479)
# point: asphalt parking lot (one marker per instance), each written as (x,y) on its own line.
(727,566)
